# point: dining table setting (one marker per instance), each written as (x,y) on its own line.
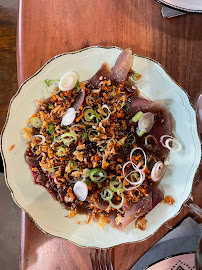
(165,37)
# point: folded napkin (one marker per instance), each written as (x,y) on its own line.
(182,239)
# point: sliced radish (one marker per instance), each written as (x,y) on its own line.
(68,81)
(158,171)
(68,117)
(80,190)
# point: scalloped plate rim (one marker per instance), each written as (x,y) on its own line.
(7,119)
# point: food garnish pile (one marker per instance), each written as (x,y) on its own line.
(99,147)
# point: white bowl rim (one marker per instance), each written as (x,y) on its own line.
(165,3)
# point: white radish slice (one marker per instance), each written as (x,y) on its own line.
(158,171)
(80,190)
(68,117)
(68,81)
(146,122)
(43,139)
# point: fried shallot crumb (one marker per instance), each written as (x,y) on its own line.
(11,147)
(141,223)
(72,214)
(168,200)
(88,219)
(102,221)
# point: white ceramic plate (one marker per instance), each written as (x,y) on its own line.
(185,5)
(38,203)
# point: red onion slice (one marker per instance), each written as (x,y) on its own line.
(158,171)
(136,170)
(145,158)
(176,146)
(43,139)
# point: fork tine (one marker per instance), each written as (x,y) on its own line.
(109,260)
(103,260)
(98,260)
(92,261)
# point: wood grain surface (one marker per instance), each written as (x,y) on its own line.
(47,28)
(8,67)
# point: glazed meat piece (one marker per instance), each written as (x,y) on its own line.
(137,209)
(122,66)
(163,121)
(103,72)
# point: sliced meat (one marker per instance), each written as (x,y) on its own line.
(31,158)
(122,66)
(104,71)
(99,203)
(62,193)
(144,105)
(41,179)
(138,209)
(163,124)
(79,100)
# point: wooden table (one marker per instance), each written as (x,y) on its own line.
(47,28)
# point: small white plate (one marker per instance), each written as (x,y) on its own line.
(184,5)
(38,203)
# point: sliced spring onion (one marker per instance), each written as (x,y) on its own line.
(49,82)
(36,122)
(89,115)
(137,116)
(61,152)
(115,185)
(136,76)
(68,117)
(117,206)
(141,132)
(84,136)
(70,163)
(106,194)
(131,139)
(43,139)
(101,149)
(97,175)
(98,115)
(63,138)
(80,190)
(158,171)
(146,122)
(51,128)
(176,145)
(72,138)
(77,86)
(87,182)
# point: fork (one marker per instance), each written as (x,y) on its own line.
(101,261)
